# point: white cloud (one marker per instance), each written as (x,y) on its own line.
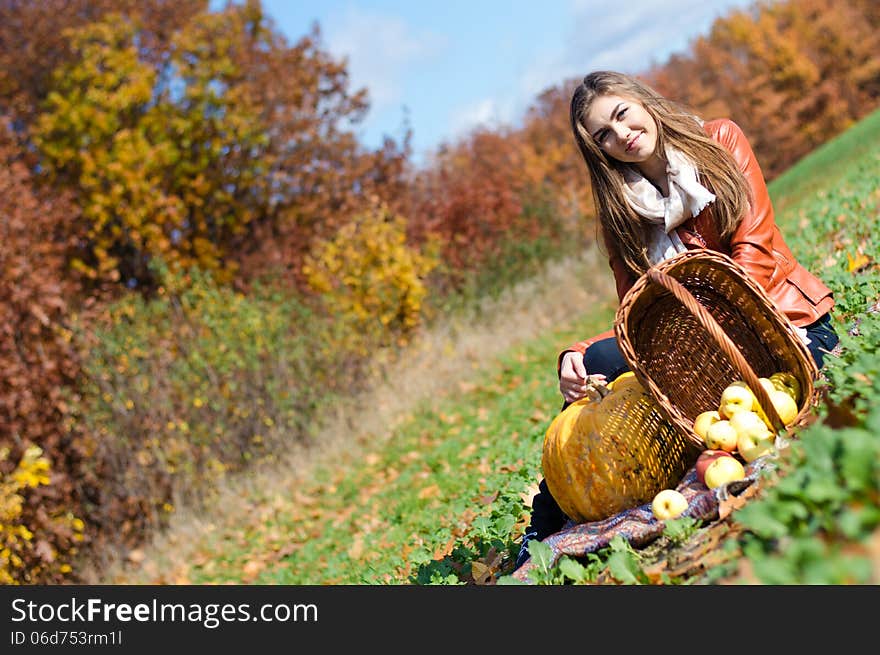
(379,49)
(604,35)
(542,72)
(631,37)
(488,111)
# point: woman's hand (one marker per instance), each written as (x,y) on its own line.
(573,377)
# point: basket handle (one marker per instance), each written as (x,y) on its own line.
(727,346)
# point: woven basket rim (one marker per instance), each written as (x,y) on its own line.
(692,262)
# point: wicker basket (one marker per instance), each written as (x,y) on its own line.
(695,323)
(602,456)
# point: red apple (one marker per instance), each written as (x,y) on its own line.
(706,458)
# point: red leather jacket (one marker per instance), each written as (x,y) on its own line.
(757,245)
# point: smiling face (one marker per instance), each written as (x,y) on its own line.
(622,128)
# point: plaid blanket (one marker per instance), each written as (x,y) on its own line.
(638,525)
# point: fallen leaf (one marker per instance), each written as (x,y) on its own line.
(858,262)
(480,572)
(538,416)
(731,503)
(529,494)
(136,556)
(488,499)
(252,569)
(429,492)
(442,551)
(356,550)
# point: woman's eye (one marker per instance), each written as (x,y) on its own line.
(621,113)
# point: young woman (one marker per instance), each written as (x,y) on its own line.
(663,182)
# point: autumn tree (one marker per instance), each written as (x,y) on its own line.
(33,42)
(792,74)
(161,167)
(469,197)
(551,162)
(317,174)
(204,143)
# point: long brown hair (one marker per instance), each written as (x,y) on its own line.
(677,127)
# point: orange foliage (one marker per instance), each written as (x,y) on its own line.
(470,196)
(36,358)
(32,43)
(552,163)
(497,185)
(317,174)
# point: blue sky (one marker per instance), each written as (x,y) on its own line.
(449,66)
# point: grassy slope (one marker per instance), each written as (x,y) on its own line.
(823,169)
(441,497)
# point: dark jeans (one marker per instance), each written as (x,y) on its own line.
(605,357)
(823,339)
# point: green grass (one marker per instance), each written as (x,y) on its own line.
(824,169)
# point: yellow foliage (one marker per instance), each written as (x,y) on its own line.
(151,174)
(371,278)
(16,538)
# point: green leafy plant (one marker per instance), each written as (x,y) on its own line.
(679,530)
(814,524)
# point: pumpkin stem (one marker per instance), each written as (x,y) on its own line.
(596,388)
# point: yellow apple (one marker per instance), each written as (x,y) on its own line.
(721,436)
(785,406)
(751,445)
(736,397)
(736,400)
(789,383)
(767,383)
(668,504)
(704,420)
(722,471)
(707,457)
(749,423)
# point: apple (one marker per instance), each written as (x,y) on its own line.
(721,435)
(736,401)
(707,457)
(788,382)
(751,445)
(722,471)
(736,397)
(704,420)
(785,406)
(749,423)
(767,383)
(668,504)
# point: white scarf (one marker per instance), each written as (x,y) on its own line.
(687,198)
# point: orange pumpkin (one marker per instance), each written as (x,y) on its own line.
(602,456)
